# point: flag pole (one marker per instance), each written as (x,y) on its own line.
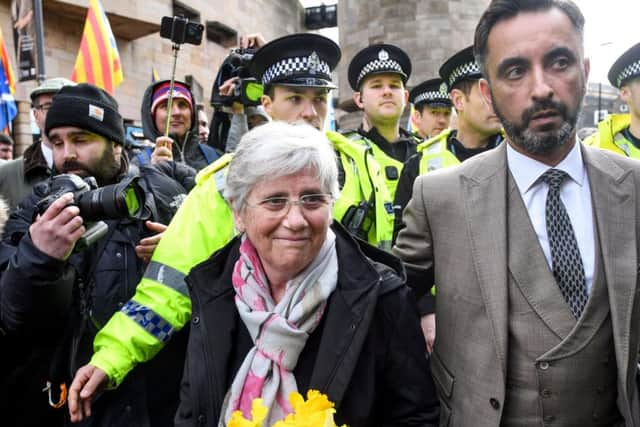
(39,28)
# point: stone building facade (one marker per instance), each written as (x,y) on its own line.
(428,30)
(136,24)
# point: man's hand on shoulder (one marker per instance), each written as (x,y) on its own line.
(57,230)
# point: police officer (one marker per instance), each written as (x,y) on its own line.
(377,75)
(621,132)
(478,130)
(295,72)
(432,108)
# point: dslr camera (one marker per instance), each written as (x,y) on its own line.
(118,201)
(247,90)
(179,30)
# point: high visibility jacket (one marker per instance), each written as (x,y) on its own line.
(384,160)
(202,225)
(364,182)
(435,154)
(610,136)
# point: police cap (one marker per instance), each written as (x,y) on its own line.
(626,67)
(296,60)
(378,59)
(459,67)
(432,92)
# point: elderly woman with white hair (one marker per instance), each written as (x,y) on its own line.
(295,303)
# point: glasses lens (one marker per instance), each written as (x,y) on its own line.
(315,201)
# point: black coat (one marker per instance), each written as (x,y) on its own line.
(41,309)
(368,353)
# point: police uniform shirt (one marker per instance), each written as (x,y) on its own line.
(463,153)
(631,137)
(400,150)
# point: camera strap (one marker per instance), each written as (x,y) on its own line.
(64,358)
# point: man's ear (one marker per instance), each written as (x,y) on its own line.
(267,104)
(117,149)
(587,69)
(625,94)
(357,98)
(457,99)
(485,91)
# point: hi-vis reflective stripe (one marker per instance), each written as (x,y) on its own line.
(167,275)
(148,320)
(435,163)
(221,179)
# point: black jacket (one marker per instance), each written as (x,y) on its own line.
(367,355)
(187,151)
(43,310)
(18,176)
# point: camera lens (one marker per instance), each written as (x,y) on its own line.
(122,200)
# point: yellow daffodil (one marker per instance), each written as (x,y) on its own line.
(258,414)
(316,411)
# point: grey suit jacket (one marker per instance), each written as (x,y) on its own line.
(456,237)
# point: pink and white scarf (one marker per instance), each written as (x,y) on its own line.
(279,332)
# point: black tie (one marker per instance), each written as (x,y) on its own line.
(566,260)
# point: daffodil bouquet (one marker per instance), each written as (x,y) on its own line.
(316,411)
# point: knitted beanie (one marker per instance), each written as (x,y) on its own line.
(87,107)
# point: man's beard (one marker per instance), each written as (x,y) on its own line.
(542,141)
(104,170)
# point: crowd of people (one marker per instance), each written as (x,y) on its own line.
(174,283)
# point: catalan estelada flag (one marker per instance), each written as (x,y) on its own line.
(98,60)
(8,108)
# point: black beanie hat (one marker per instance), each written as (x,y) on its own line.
(87,107)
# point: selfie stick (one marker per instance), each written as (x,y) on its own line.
(175,48)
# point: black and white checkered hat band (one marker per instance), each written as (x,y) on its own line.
(379,65)
(468,69)
(430,96)
(629,71)
(290,66)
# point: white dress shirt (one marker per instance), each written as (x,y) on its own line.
(575,193)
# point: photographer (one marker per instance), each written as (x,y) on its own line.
(54,297)
(236,95)
(183,143)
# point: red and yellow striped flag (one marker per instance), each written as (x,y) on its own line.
(4,59)
(98,60)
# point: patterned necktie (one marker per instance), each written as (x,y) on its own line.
(566,260)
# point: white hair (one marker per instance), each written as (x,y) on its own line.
(277,149)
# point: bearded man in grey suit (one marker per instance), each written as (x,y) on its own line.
(533,246)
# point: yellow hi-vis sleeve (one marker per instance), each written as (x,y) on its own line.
(161,304)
